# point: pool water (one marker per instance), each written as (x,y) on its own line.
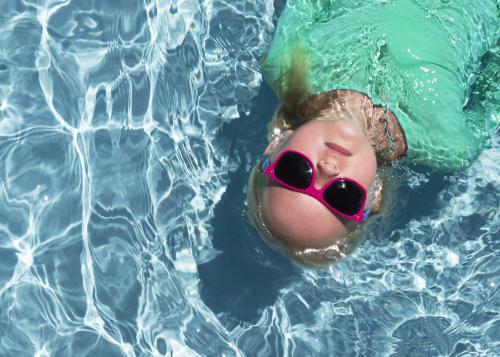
(127,132)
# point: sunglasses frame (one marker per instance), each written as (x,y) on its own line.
(312,191)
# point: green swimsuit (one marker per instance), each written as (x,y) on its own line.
(420,58)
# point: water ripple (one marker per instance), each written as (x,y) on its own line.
(122,225)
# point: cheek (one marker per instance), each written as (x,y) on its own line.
(369,164)
(364,167)
(370,159)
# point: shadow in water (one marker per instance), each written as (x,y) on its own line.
(247,275)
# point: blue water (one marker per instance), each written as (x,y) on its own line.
(127,132)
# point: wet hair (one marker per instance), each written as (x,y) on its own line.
(320,257)
(298,106)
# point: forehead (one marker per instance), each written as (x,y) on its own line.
(299,220)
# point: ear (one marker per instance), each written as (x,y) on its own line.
(276,143)
(376,198)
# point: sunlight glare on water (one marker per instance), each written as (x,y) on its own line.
(126,137)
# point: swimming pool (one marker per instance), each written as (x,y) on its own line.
(126,137)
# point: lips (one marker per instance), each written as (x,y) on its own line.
(339,149)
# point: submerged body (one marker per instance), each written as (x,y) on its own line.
(417,58)
(382,80)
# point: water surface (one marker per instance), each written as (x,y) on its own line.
(127,132)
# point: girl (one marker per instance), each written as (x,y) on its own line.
(361,85)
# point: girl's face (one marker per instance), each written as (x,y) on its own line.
(336,148)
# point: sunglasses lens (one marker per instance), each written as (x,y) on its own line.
(345,196)
(294,170)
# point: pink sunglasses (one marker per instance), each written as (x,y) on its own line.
(341,195)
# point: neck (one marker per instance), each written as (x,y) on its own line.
(382,127)
(386,135)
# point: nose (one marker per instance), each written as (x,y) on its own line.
(328,168)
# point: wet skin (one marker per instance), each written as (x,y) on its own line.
(336,148)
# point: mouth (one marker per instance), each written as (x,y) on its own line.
(339,149)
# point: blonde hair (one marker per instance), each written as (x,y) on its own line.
(320,257)
(298,106)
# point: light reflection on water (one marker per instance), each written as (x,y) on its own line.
(122,228)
